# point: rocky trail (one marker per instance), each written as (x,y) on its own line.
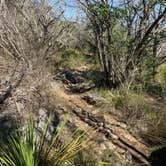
(113,132)
(106,129)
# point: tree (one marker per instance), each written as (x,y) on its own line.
(142,27)
(100,17)
(135,19)
(29,33)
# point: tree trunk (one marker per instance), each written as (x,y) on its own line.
(155,43)
(106,66)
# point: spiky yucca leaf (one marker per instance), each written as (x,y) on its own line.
(28,148)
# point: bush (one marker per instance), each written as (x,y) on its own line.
(67,54)
(161,73)
(72,59)
(156,89)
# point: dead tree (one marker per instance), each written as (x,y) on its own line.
(29,31)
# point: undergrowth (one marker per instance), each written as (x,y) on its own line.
(144,114)
(75,60)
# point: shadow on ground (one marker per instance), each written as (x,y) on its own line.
(7,126)
(158,157)
(80,81)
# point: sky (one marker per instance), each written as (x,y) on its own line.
(70,11)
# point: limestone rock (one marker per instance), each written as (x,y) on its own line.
(42,119)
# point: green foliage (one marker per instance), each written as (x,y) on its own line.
(161,73)
(28,148)
(118,46)
(72,60)
(68,53)
(100,8)
(104,10)
(152,84)
(155,89)
(75,60)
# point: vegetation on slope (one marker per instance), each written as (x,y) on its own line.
(116,52)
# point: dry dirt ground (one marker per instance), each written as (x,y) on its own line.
(106,129)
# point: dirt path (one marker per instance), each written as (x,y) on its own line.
(114,131)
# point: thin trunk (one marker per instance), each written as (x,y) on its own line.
(155,43)
(104,61)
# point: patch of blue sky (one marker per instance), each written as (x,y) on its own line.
(70,10)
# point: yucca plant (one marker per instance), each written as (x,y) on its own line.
(29,148)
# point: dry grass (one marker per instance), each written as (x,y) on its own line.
(145,116)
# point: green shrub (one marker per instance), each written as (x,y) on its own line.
(67,54)
(72,59)
(161,73)
(157,89)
